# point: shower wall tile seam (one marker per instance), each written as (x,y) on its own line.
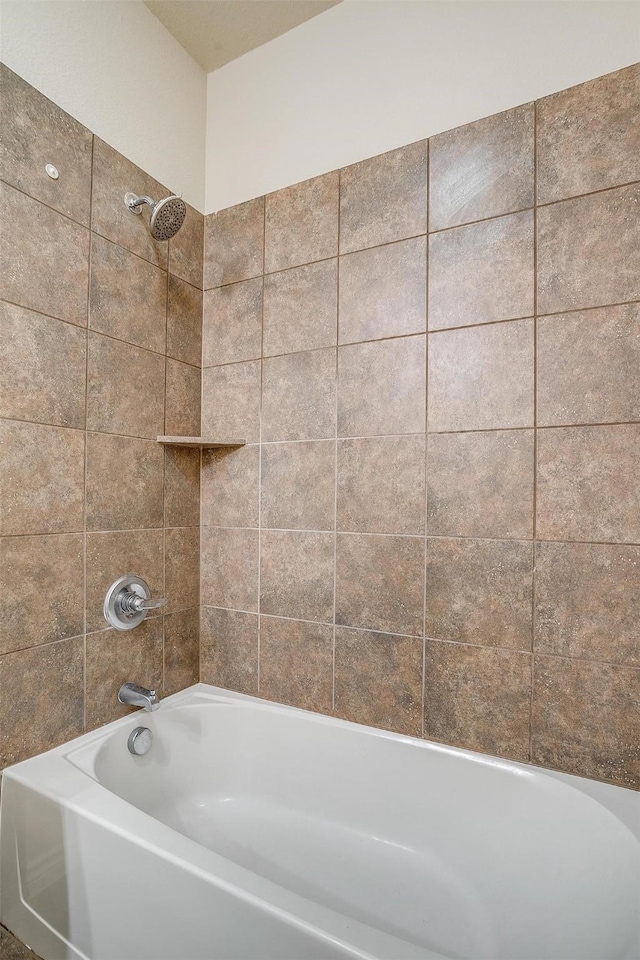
(335,466)
(86,417)
(535,421)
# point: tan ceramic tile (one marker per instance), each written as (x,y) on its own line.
(301,223)
(589,136)
(379,680)
(112,555)
(586,720)
(480,484)
(384,198)
(186,249)
(124,483)
(181,568)
(382,387)
(298,396)
(480,591)
(296,574)
(380,583)
(232,323)
(481,378)
(296,663)
(499,286)
(42,589)
(13,949)
(184,321)
(589,251)
(234,243)
(383,292)
(181,487)
(588,485)
(181,650)
(298,485)
(182,410)
(41,479)
(381,485)
(229,649)
(125,388)
(231,487)
(115,657)
(301,308)
(128,296)
(483,169)
(478,698)
(34,716)
(589,366)
(231,401)
(229,568)
(588,601)
(36,132)
(42,368)
(35,241)
(113,176)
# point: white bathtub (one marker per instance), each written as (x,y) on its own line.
(255,831)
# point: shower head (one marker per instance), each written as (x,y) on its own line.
(167,216)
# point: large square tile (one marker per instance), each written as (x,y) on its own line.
(296,574)
(585,719)
(231,402)
(480,591)
(301,308)
(382,387)
(234,243)
(229,649)
(111,555)
(298,396)
(34,243)
(588,485)
(478,698)
(482,169)
(125,388)
(229,568)
(301,223)
(381,485)
(296,663)
(588,251)
(383,292)
(124,483)
(298,485)
(480,484)
(588,137)
(232,323)
(482,272)
(36,132)
(380,583)
(481,378)
(231,487)
(384,198)
(379,680)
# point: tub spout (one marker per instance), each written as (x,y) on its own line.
(136,696)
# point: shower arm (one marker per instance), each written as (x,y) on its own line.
(135,203)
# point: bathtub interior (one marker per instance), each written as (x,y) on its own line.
(461,854)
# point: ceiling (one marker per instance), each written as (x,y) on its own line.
(217,31)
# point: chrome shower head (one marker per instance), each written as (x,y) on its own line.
(167,216)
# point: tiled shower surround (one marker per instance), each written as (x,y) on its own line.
(101,341)
(434,357)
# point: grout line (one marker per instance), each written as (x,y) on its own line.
(426,460)
(86,455)
(260,407)
(335,461)
(535,418)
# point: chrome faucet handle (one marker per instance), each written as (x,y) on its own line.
(128,601)
(134,603)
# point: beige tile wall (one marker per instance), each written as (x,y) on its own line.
(101,346)
(435,357)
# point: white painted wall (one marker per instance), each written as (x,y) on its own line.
(365,77)
(114,67)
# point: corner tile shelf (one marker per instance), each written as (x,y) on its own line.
(200,443)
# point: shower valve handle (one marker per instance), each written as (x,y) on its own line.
(133,603)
